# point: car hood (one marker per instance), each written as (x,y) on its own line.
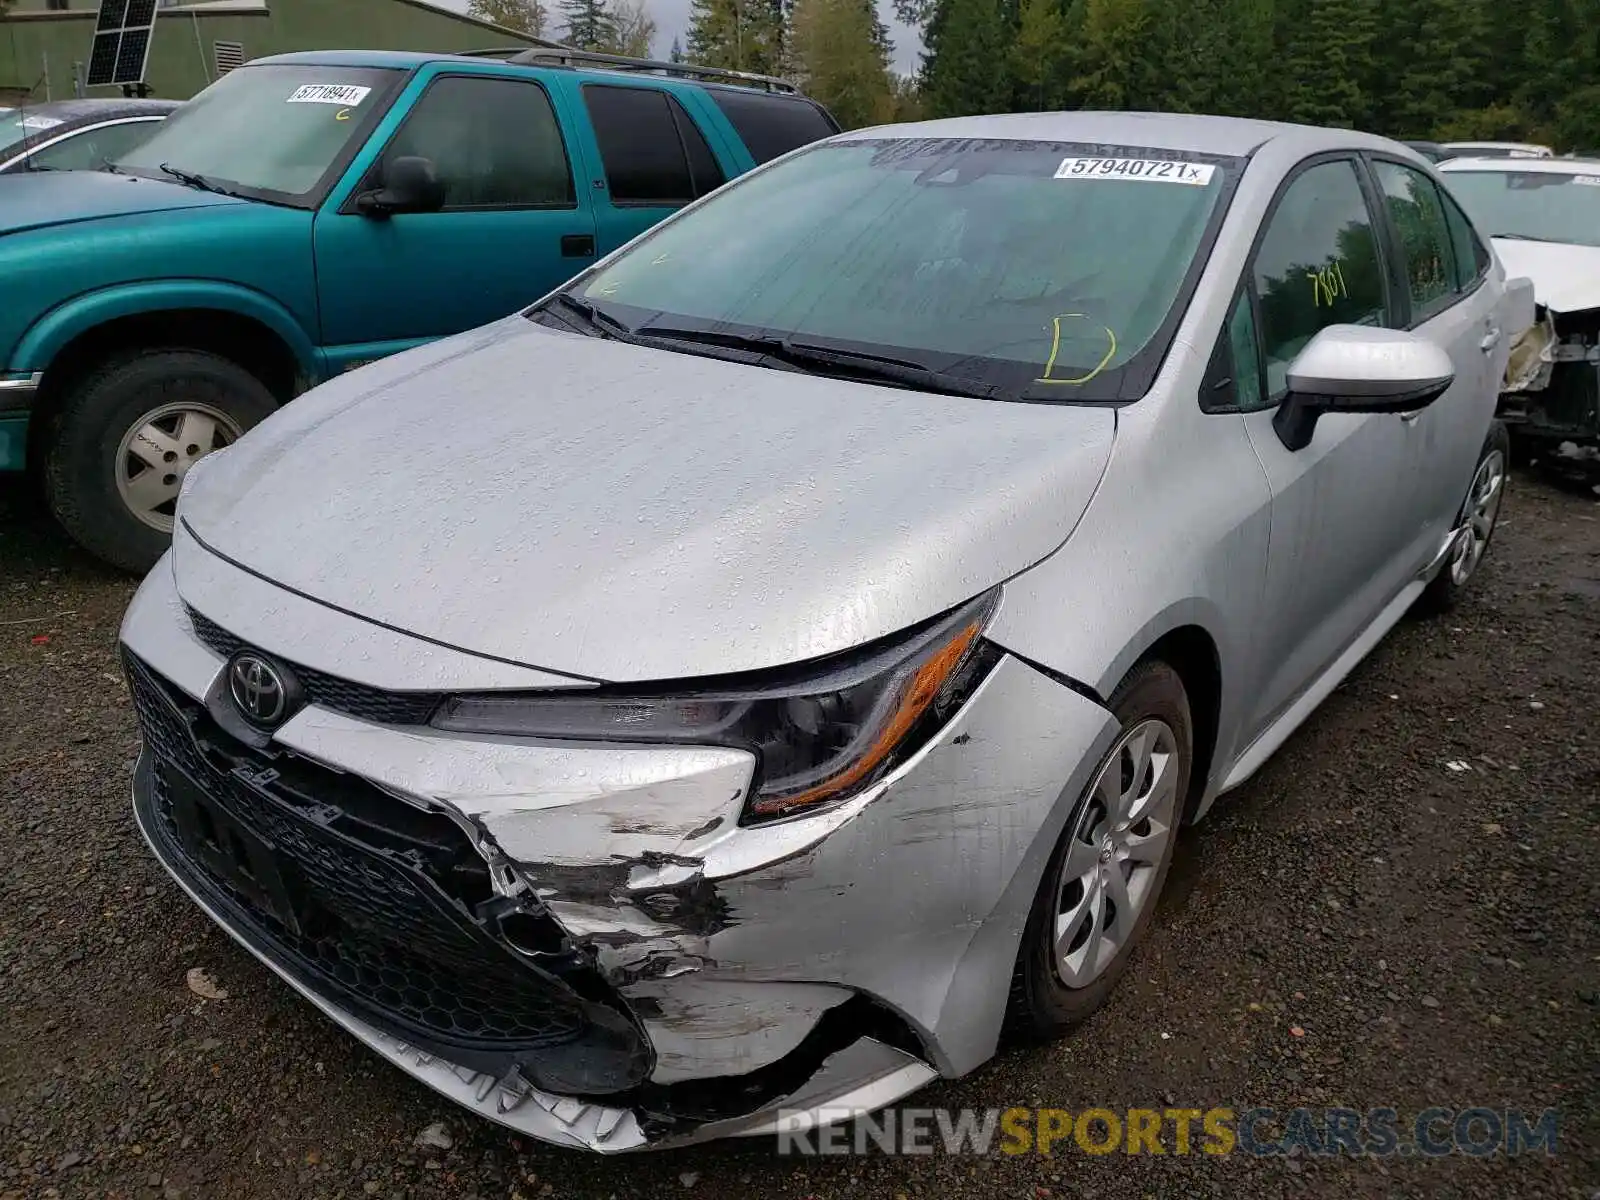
(1566,278)
(33,200)
(626,514)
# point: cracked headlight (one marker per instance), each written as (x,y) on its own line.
(821,732)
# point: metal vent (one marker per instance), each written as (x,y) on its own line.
(229,55)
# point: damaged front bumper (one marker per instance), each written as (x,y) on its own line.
(582,942)
(1551,387)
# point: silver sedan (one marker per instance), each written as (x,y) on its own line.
(751,682)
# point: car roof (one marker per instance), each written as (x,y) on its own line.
(95,108)
(1497,145)
(1229,136)
(1553,166)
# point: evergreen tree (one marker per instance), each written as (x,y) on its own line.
(1039,59)
(841,53)
(525,16)
(590,25)
(1326,60)
(746,35)
(966,69)
(676,53)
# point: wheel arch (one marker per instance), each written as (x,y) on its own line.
(243,326)
(1187,643)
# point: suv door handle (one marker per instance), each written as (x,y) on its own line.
(577,245)
(1490,341)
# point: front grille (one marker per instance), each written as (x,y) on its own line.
(328,691)
(378,906)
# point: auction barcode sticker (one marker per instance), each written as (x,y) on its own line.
(346,95)
(1156,170)
(1587,180)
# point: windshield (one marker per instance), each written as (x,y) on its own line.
(1547,205)
(1045,268)
(17,124)
(275,132)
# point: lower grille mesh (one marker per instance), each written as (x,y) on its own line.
(368,901)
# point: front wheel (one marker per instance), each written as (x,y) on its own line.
(1099,892)
(128,433)
(1475,523)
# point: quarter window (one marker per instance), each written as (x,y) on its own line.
(495,143)
(652,150)
(772,125)
(1317,265)
(1418,217)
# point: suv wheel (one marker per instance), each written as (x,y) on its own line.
(127,434)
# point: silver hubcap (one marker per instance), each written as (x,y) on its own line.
(1109,874)
(158,451)
(1478,516)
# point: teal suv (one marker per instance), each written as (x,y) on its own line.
(310,213)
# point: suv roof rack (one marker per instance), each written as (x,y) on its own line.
(562,56)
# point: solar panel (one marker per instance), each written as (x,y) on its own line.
(121,49)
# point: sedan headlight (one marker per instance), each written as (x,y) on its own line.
(820,732)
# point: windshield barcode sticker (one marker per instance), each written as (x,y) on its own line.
(39,124)
(1587,180)
(1155,170)
(346,95)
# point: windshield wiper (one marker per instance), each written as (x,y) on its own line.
(193,180)
(1523,237)
(107,165)
(603,323)
(865,366)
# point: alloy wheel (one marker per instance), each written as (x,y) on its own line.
(157,452)
(1478,516)
(1113,862)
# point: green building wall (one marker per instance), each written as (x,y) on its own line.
(39,46)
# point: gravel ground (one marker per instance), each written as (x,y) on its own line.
(1431,932)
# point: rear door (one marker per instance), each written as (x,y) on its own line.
(1449,299)
(651,157)
(1343,539)
(514,222)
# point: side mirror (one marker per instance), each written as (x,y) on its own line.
(410,184)
(1359,369)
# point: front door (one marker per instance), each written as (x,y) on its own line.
(1342,533)
(513,224)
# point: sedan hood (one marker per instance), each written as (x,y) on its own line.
(33,200)
(1566,278)
(625,514)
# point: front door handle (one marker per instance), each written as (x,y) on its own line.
(577,245)
(1490,341)
(1410,418)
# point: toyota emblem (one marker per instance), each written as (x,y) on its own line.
(259,690)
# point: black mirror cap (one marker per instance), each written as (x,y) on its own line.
(1296,418)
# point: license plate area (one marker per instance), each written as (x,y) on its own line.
(235,855)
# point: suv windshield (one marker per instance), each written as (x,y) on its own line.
(1548,206)
(1047,269)
(272,132)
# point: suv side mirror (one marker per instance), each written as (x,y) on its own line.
(1359,369)
(410,184)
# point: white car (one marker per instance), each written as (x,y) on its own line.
(1543,217)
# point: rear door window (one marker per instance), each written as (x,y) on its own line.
(772,125)
(1418,218)
(652,150)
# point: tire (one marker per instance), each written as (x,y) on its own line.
(1445,589)
(87,446)
(1043,1004)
